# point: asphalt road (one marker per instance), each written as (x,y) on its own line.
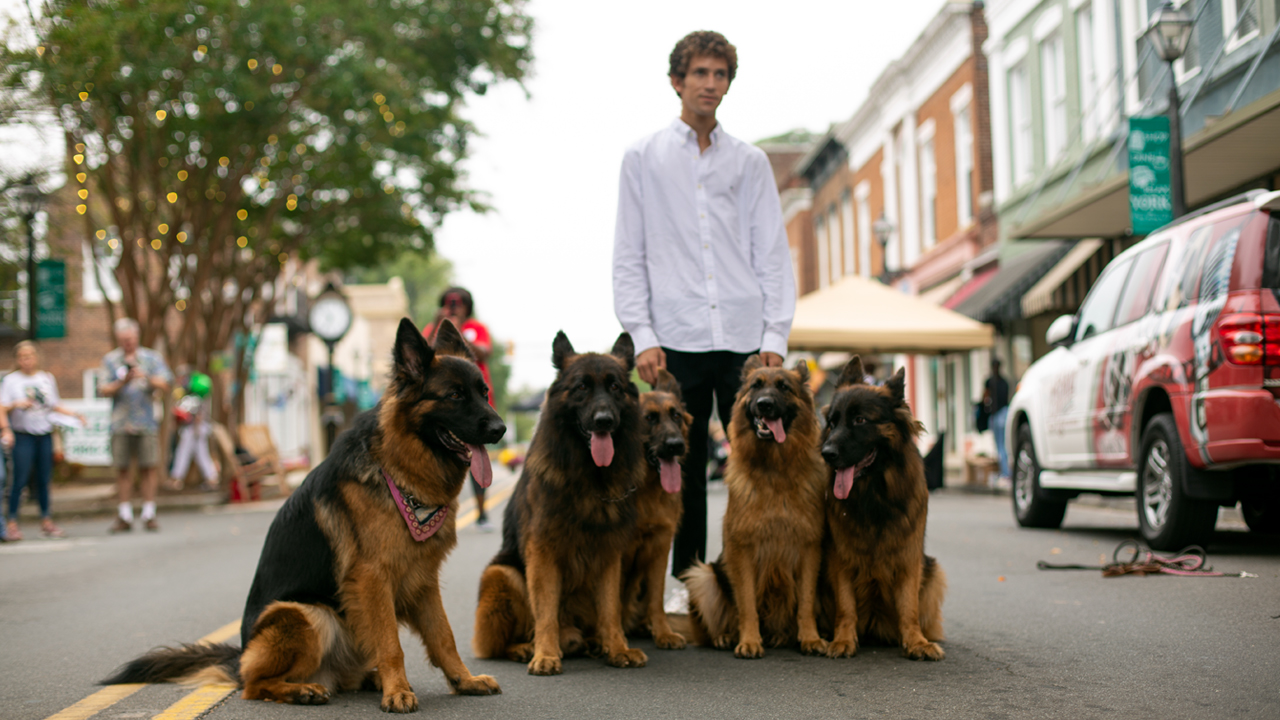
(1023,643)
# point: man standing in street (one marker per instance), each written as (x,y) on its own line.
(702,273)
(995,395)
(131,376)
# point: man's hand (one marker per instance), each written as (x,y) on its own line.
(771,359)
(648,362)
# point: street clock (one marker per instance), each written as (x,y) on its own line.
(330,316)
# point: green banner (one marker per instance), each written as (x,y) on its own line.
(51,299)
(1150,202)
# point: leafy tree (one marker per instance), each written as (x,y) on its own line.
(214,140)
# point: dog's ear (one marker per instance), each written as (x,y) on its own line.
(561,351)
(412,354)
(852,374)
(625,351)
(897,384)
(802,369)
(753,363)
(667,383)
(448,341)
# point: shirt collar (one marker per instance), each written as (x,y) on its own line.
(688,134)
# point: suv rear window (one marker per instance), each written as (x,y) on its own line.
(1271,257)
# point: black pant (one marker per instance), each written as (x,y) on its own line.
(703,376)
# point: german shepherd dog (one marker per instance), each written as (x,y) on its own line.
(357,549)
(665,427)
(763,585)
(556,580)
(879,583)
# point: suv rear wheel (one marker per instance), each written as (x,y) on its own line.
(1029,507)
(1167,518)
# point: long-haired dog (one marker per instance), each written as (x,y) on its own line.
(665,428)
(572,515)
(763,585)
(880,584)
(357,550)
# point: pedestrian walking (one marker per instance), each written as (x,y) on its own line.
(192,415)
(30,398)
(131,377)
(457,307)
(995,398)
(702,273)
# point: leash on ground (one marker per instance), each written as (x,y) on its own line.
(1130,558)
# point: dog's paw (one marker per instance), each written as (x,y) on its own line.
(545,665)
(403,701)
(749,649)
(308,694)
(670,641)
(520,652)
(629,657)
(924,651)
(842,649)
(723,642)
(477,685)
(815,646)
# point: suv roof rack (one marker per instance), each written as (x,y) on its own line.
(1228,202)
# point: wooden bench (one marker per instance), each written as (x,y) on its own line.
(257,440)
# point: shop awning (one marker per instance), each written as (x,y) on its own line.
(1001,297)
(1040,297)
(863,315)
(1228,152)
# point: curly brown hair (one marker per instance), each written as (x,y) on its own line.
(702,42)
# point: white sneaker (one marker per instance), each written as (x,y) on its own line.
(677,601)
(483,525)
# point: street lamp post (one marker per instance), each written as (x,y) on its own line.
(29,200)
(883,229)
(330,318)
(1169,34)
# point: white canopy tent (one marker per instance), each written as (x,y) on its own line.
(861,314)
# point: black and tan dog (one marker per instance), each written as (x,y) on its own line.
(879,583)
(357,550)
(658,509)
(762,587)
(571,516)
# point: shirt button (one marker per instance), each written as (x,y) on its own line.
(713,307)
(708,276)
(699,186)
(705,246)
(702,215)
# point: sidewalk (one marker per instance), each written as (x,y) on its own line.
(98,497)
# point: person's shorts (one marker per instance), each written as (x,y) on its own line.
(126,448)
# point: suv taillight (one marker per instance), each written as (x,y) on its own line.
(1249,339)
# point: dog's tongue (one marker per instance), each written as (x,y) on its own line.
(669,472)
(481,470)
(844,481)
(602,448)
(775,427)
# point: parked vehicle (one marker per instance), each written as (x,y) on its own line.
(1166,384)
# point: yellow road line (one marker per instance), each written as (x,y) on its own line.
(225,632)
(95,703)
(492,500)
(196,703)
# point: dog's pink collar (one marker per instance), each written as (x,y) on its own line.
(419,529)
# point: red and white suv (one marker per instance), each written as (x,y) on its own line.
(1166,383)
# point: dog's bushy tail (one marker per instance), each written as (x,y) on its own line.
(189,665)
(711,610)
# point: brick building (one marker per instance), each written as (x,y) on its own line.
(915,159)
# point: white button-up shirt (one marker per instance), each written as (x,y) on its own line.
(700,254)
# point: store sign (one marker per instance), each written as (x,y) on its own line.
(51,299)
(1150,200)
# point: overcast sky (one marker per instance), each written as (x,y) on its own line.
(540,262)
